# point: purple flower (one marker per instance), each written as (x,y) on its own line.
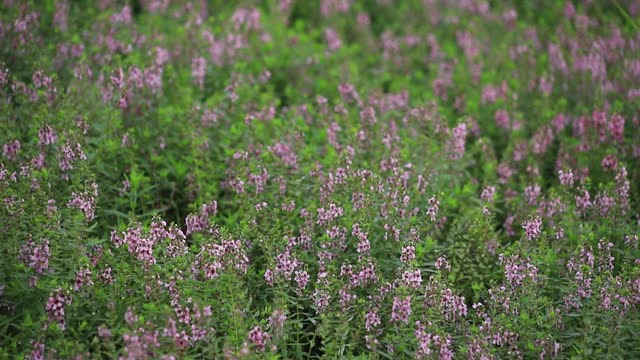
(372,320)
(11,149)
(566,178)
(200,222)
(325,216)
(269,277)
(277,319)
(69,155)
(583,202)
(401,309)
(321,300)
(130,317)
(453,306)
(442,264)
(37,353)
(36,256)
(198,71)
(457,141)
(517,270)
(531,193)
(364,245)
(302,279)
(333,40)
(104,332)
(106,276)
(424,341)
(408,254)
(85,202)
(502,119)
(432,209)
(83,277)
(47,135)
(55,307)
(259,338)
(532,228)
(488,193)
(412,279)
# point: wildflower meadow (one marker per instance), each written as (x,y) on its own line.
(311,179)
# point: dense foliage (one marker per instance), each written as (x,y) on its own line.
(344,179)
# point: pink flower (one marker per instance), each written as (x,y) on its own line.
(37,353)
(408,254)
(333,40)
(609,162)
(488,193)
(327,215)
(442,264)
(432,209)
(566,178)
(104,332)
(302,279)
(412,279)
(259,338)
(502,119)
(36,256)
(372,320)
(83,277)
(424,341)
(457,141)
(85,202)
(583,202)
(198,71)
(55,307)
(11,149)
(130,317)
(123,17)
(532,228)
(277,319)
(453,306)
(401,309)
(321,300)
(531,194)
(47,135)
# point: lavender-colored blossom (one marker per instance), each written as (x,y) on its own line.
(198,71)
(36,256)
(401,309)
(432,209)
(372,320)
(259,338)
(83,278)
(412,279)
(277,319)
(457,141)
(302,279)
(532,228)
(488,193)
(47,135)
(55,307)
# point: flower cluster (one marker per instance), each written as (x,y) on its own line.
(55,307)
(274,182)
